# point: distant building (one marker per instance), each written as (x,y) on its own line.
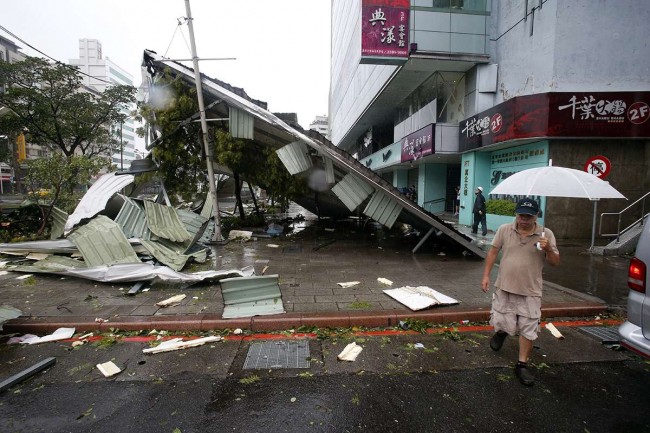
(99,73)
(321,125)
(9,52)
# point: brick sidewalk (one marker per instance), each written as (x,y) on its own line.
(309,268)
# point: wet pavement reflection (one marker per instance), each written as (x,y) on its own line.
(604,277)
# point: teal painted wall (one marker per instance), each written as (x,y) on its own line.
(432,182)
(474,171)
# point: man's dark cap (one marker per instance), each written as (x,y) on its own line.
(527,206)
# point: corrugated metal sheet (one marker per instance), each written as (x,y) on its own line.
(208,233)
(207,211)
(59,217)
(383,209)
(94,201)
(294,157)
(165,223)
(240,123)
(126,272)
(252,296)
(194,223)
(133,220)
(63,246)
(329,171)
(53,264)
(102,242)
(352,191)
(173,254)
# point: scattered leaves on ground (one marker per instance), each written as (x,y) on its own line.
(250,380)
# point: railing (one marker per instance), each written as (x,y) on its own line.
(639,221)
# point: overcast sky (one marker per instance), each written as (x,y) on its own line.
(282,46)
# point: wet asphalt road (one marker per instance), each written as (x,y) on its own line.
(454,384)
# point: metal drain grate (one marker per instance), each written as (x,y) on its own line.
(606,334)
(278,354)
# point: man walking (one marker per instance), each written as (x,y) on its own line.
(479,212)
(517,300)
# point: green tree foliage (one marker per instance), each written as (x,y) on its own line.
(179,149)
(259,165)
(500,207)
(59,175)
(278,183)
(58,112)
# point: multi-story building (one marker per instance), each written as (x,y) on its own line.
(20,150)
(9,51)
(99,73)
(321,125)
(446,93)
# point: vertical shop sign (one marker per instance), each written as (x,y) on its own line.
(385,31)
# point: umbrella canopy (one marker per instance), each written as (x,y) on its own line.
(555,181)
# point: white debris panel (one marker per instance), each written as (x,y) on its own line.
(94,201)
(419,298)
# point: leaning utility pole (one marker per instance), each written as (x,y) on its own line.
(204,127)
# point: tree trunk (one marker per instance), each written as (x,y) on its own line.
(238,196)
(257,209)
(45,216)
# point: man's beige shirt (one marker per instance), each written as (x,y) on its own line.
(520,268)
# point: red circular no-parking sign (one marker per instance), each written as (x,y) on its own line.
(599,166)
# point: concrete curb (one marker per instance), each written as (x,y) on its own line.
(206,322)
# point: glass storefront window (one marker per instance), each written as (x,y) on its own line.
(447,87)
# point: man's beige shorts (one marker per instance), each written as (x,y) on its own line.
(516,314)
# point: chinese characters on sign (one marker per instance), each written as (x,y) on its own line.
(384,31)
(589,108)
(508,162)
(418,144)
(599,166)
(543,115)
(515,156)
(465,178)
(477,126)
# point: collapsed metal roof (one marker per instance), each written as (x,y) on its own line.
(307,152)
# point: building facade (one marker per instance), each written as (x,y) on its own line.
(19,149)
(98,73)
(489,88)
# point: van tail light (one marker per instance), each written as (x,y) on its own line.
(636,275)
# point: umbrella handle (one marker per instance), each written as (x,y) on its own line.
(539,248)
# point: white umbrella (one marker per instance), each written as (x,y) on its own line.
(554,181)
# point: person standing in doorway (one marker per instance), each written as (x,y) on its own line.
(457,202)
(479,211)
(517,299)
